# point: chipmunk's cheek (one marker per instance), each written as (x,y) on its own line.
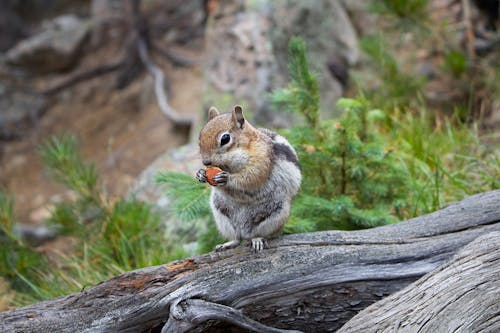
(238,160)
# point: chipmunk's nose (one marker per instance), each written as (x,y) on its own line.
(207,162)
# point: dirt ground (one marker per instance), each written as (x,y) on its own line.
(122,131)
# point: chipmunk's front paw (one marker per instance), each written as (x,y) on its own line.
(227,245)
(258,244)
(221,178)
(201,175)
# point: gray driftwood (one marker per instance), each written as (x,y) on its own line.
(462,295)
(312,282)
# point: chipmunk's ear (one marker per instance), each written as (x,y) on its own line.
(212,113)
(238,119)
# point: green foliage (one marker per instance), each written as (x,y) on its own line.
(302,94)
(7,214)
(350,180)
(60,155)
(443,164)
(190,204)
(66,215)
(339,212)
(399,88)
(467,81)
(404,10)
(131,236)
(189,197)
(112,236)
(372,167)
(210,238)
(64,163)
(455,62)
(345,163)
(17,258)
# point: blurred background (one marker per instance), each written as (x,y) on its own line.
(129,81)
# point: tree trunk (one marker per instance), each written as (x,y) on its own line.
(311,282)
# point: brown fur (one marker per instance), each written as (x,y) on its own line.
(256,144)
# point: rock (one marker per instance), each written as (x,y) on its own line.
(108,10)
(364,19)
(35,234)
(56,48)
(184,159)
(11,26)
(35,11)
(240,59)
(492,119)
(247,52)
(330,38)
(39,215)
(109,18)
(19,111)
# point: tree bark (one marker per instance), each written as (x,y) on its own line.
(462,295)
(311,282)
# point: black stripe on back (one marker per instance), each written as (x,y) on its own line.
(283,151)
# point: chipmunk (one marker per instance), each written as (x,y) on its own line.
(260,175)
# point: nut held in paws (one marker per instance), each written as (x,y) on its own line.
(211,172)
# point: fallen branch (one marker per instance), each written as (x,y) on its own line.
(306,282)
(188,314)
(161,95)
(462,295)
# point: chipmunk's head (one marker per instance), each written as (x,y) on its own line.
(225,140)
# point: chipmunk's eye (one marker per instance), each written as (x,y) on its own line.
(224,139)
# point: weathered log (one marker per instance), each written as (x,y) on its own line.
(311,282)
(463,295)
